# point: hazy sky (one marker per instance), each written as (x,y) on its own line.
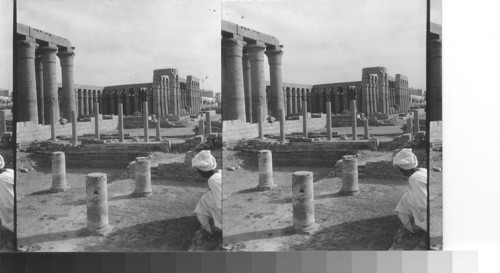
(121,42)
(331,41)
(6,13)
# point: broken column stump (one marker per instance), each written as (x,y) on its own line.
(303,202)
(266,181)
(201,127)
(58,172)
(349,176)
(142,177)
(97,203)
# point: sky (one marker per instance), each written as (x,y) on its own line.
(6,26)
(331,41)
(122,42)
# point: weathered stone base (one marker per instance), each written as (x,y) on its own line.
(310,229)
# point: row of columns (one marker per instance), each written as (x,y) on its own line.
(403,97)
(36,81)
(243,80)
(303,189)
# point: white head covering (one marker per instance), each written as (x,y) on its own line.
(204,161)
(2,162)
(405,159)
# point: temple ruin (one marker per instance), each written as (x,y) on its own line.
(244,87)
(38,90)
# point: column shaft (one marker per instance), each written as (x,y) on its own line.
(50,94)
(275,59)
(258,83)
(234,86)
(26,82)
(68,103)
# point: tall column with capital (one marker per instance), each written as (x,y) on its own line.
(294,101)
(85,102)
(234,87)
(26,82)
(258,82)
(274,58)
(248,87)
(39,88)
(80,103)
(91,102)
(288,101)
(68,104)
(51,97)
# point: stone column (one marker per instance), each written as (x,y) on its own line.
(142,177)
(91,102)
(349,176)
(68,103)
(80,103)
(26,82)
(354,122)
(120,123)
(224,103)
(96,186)
(158,129)
(201,127)
(58,172)
(39,89)
(304,118)
(299,100)
(86,103)
(266,171)
(328,121)
(303,202)
(294,101)
(234,87)
(49,79)
(248,87)
(112,101)
(274,58)
(258,82)
(145,121)
(337,102)
(3,124)
(409,127)
(127,104)
(416,121)
(289,108)
(260,122)
(367,128)
(209,123)
(96,120)
(53,122)
(321,101)
(282,126)
(74,123)
(308,99)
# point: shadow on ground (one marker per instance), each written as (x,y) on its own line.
(166,235)
(367,234)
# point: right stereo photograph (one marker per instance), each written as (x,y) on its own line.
(325,126)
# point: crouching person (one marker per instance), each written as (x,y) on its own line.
(209,208)
(412,207)
(6,196)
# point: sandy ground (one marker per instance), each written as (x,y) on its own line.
(261,221)
(57,221)
(436,193)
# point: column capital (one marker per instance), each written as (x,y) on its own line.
(27,49)
(48,53)
(233,47)
(256,51)
(274,56)
(66,58)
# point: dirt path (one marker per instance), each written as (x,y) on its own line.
(57,222)
(260,221)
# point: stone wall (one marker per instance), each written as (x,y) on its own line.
(345,121)
(234,130)
(184,171)
(132,122)
(28,132)
(317,153)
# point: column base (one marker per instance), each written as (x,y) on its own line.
(266,187)
(58,189)
(141,194)
(307,229)
(348,192)
(102,231)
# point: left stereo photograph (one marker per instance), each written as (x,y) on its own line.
(117,147)
(7,219)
